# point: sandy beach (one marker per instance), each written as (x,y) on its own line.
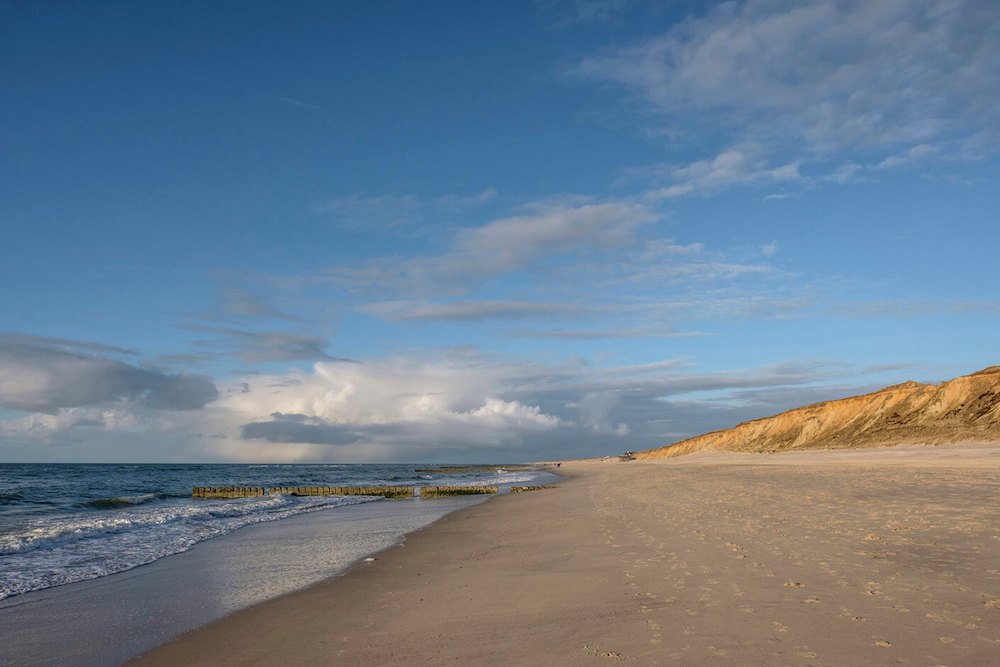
(822,558)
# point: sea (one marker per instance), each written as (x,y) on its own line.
(100,562)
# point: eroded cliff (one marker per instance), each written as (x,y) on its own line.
(964,409)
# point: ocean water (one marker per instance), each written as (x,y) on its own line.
(61,524)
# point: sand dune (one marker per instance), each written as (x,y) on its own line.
(965,409)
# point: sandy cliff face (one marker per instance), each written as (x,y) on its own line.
(966,408)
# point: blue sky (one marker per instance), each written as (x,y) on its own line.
(456,231)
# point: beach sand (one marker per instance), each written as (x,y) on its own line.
(822,558)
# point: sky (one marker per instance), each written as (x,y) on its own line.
(453,231)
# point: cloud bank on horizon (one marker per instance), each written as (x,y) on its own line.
(566,230)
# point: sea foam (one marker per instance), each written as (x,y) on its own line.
(66,548)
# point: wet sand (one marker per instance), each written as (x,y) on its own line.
(107,620)
(826,558)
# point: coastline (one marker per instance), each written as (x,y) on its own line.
(856,560)
(109,619)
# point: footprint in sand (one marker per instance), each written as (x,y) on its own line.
(613,655)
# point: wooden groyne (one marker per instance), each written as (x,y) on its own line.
(227,491)
(217,492)
(444,491)
(522,489)
(384,491)
(254,491)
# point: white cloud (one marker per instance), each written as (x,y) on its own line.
(67,425)
(853,172)
(263,346)
(46,375)
(404,405)
(659,264)
(595,413)
(645,369)
(858,72)
(909,156)
(818,79)
(769,249)
(379,392)
(607,333)
(505,245)
(496,413)
(401,311)
(913,308)
(454,405)
(358,211)
(400,407)
(847,173)
(737,165)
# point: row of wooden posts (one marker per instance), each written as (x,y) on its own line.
(384,491)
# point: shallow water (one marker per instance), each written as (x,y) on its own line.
(65,523)
(73,538)
(107,620)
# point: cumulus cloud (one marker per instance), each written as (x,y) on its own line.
(595,412)
(69,423)
(44,375)
(455,404)
(380,392)
(408,403)
(403,407)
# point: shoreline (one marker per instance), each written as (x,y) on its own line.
(109,619)
(704,561)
